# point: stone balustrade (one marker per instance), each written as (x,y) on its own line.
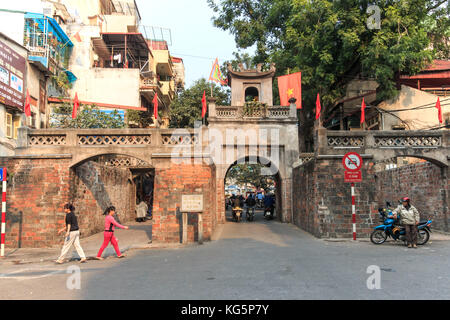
(380,145)
(106,137)
(239,112)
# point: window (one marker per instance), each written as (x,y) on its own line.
(9,125)
(16,126)
(251,94)
(32,120)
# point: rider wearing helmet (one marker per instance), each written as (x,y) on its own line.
(409,218)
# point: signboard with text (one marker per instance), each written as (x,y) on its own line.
(12,77)
(192,203)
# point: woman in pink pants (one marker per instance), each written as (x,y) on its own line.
(110,224)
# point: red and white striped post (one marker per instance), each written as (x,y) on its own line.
(2,248)
(353,211)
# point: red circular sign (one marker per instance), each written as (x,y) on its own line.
(352,161)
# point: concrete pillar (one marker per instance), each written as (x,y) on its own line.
(293,109)
(212,107)
(22,137)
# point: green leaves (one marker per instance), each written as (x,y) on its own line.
(187,106)
(330,41)
(249,174)
(88,117)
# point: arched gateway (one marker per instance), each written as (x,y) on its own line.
(53,166)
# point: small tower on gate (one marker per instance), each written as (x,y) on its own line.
(251,85)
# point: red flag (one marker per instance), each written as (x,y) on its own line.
(438,106)
(77,36)
(27,105)
(155,106)
(363,112)
(318,107)
(204,107)
(290,86)
(76,104)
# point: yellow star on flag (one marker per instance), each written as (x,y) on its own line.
(290,92)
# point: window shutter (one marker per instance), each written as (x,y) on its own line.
(16,126)
(9,125)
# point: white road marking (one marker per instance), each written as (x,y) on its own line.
(21,278)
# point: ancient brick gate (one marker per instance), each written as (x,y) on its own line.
(95,168)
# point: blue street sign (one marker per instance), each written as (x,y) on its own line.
(1,174)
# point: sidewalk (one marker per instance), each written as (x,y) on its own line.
(137,237)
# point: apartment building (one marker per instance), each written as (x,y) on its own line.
(34,57)
(115,65)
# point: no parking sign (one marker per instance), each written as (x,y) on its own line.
(352,162)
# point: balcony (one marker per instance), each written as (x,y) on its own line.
(50,48)
(168,89)
(163,61)
(150,85)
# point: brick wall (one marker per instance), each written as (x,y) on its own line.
(37,190)
(322,200)
(424,183)
(170,184)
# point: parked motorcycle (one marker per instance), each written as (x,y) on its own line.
(237,214)
(389,228)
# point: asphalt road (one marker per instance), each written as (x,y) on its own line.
(249,260)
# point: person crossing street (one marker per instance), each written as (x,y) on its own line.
(72,234)
(108,234)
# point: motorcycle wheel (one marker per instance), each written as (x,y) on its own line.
(422,237)
(378,237)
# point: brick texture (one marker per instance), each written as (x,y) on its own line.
(170,184)
(38,189)
(425,183)
(322,200)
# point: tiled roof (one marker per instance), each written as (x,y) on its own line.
(439,65)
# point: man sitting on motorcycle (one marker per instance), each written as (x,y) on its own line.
(409,218)
(269,204)
(250,202)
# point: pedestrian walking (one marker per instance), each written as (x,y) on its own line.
(108,234)
(409,218)
(72,236)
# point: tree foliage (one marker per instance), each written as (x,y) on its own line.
(186,108)
(330,41)
(250,174)
(142,118)
(88,117)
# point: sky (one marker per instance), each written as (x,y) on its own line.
(194,38)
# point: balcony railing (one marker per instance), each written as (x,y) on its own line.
(241,112)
